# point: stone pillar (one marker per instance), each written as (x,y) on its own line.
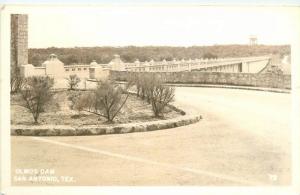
(19,40)
(137,63)
(117,64)
(54,67)
(236,68)
(228,68)
(244,67)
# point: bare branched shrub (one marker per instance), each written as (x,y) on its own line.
(132,82)
(36,94)
(106,100)
(73,98)
(16,80)
(81,101)
(151,87)
(73,81)
(150,82)
(136,80)
(161,96)
(143,84)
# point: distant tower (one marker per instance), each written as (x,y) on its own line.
(252,40)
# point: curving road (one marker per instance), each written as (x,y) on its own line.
(243,139)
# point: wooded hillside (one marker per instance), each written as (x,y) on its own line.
(85,55)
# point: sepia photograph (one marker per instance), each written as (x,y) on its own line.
(155,95)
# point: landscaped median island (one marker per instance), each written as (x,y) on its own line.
(108,109)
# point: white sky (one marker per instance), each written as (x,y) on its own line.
(154,25)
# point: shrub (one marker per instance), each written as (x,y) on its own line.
(150,83)
(73,81)
(106,100)
(73,98)
(144,84)
(81,101)
(36,94)
(161,96)
(16,80)
(135,80)
(152,88)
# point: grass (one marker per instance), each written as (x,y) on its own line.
(59,112)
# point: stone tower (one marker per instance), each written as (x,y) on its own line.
(19,40)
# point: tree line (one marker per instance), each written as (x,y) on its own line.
(103,55)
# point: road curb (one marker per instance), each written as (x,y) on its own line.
(276,90)
(64,130)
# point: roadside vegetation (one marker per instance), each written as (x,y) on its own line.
(36,94)
(73,81)
(107,100)
(151,88)
(38,103)
(16,81)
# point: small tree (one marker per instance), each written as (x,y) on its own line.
(106,100)
(156,93)
(73,81)
(136,81)
(161,96)
(149,84)
(36,94)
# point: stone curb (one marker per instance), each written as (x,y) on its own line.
(64,130)
(276,90)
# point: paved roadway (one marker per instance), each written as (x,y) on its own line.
(243,139)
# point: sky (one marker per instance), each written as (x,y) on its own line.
(159,25)
(268,2)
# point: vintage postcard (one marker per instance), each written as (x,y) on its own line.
(98,97)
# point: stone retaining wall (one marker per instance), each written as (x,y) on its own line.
(241,79)
(63,130)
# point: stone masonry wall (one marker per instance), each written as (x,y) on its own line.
(19,40)
(241,79)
